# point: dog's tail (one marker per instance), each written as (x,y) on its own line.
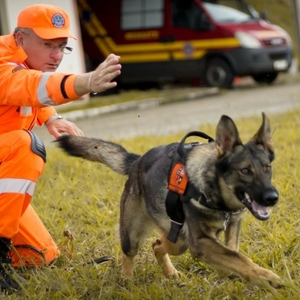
(108,153)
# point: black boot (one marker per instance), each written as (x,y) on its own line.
(8,279)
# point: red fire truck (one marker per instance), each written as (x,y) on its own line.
(178,40)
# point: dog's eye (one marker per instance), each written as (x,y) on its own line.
(246,171)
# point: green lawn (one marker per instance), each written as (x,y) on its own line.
(83,197)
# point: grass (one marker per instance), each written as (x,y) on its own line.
(83,197)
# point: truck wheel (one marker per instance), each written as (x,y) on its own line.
(218,73)
(265,77)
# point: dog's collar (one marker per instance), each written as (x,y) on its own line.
(193,192)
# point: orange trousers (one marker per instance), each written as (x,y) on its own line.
(20,169)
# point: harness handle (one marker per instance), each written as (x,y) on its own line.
(181,149)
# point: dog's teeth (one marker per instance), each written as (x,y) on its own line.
(248,197)
(262,211)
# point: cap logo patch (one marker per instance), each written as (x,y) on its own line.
(58,21)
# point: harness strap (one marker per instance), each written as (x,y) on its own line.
(175,212)
(178,185)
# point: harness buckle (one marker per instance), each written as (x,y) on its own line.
(174,231)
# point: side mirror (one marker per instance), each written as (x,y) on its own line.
(263,15)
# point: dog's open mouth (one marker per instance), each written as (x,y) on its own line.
(260,212)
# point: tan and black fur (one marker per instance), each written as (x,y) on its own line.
(229,173)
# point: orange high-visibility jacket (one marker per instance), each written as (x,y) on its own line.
(27,96)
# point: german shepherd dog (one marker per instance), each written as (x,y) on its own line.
(227,177)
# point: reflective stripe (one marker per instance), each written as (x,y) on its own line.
(20,186)
(42,91)
(16,64)
(26,110)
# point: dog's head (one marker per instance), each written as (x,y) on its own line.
(246,168)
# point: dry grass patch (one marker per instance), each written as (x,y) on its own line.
(83,197)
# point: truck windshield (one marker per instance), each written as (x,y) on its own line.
(226,14)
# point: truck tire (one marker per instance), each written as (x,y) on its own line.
(265,77)
(218,73)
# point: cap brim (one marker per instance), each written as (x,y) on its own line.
(53,33)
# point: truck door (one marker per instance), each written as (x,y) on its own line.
(145,55)
(193,29)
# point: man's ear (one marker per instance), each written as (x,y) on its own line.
(19,38)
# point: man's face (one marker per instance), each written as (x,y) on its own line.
(43,55)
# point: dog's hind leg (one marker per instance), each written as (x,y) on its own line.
(127,265)
(132,236)
(162,248)
(133,233)
(135,226)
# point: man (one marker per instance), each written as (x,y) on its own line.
(29,89)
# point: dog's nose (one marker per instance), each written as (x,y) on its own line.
(270,196)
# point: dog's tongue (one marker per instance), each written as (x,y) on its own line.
(263,211)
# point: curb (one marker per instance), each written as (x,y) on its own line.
(143,104)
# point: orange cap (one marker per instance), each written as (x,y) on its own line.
(47,21)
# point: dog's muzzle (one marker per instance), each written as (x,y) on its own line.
(270,197)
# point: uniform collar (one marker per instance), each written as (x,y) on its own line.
(9,51)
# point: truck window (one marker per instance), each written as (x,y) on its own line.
(236,4)
(240,5)
(141,14)
(186,13)
(226,14)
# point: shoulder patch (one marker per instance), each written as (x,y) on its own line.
(58,21)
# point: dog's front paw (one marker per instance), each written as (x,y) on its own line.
(171,273)
(260,275)
(163,259)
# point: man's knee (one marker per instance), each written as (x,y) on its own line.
(37,146)
(21,150)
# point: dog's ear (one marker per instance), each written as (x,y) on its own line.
(263,136)
(227,135)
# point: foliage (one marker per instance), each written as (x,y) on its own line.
(83,197)
(281,13)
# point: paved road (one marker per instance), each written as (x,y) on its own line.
(189,115)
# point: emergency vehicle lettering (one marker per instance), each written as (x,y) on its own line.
(106,45)
(152,34)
